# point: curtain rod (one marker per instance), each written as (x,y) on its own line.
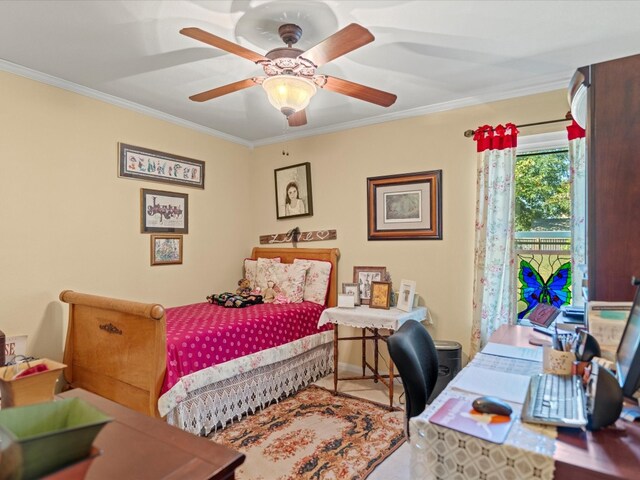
(567,117)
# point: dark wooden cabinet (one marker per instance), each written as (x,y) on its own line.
(135,446)
(613,177)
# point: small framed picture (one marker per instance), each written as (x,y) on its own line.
(380,295)
(166,249)
(352,289)
(363,276)
(406,295)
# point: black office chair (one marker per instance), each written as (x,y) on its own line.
(415,356)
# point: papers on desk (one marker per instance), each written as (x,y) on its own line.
(533,354)
(482,381)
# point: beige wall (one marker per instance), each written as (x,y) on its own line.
(340,165)
(69,222)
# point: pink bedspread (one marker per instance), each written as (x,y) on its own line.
(203,335)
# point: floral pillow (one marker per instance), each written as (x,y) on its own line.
(290,279)
(251,270)
(317,282)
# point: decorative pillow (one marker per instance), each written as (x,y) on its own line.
(289,279)
(264,271)
(316,285)
(251,270)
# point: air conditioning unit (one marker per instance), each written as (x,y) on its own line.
(578,88)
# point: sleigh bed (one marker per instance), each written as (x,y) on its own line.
(120,350)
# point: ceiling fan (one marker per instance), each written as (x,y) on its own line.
(291,78)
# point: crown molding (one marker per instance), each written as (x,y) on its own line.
(559,82)
(550,84)
(119,102)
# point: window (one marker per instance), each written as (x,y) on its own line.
(543,226)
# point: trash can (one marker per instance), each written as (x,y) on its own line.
(449,364)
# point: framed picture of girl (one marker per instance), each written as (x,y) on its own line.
(293,191)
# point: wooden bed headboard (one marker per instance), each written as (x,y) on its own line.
(325,254)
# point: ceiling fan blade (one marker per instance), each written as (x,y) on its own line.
(297,119)
(343,41)
(218,92)
(360,92)
(223,44)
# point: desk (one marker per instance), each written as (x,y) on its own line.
(369,320)
(603,455)
(137,446)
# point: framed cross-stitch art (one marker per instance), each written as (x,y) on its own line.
(146,164)
(161,211)
(166,249)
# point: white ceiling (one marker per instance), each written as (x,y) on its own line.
(434,55)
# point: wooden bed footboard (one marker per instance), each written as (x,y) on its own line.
(116,349)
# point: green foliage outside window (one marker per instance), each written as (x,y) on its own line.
(542,190)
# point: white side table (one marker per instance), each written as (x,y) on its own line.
(369,320)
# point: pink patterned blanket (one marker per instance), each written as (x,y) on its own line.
(202,335)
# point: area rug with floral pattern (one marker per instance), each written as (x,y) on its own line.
(314,435)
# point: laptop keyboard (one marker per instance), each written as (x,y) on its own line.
(555,400)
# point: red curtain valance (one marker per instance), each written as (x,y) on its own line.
(575,131)
(496,138)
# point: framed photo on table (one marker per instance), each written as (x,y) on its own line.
(405,207)
(363,276)
(406,294)
(352,289)
(380,295)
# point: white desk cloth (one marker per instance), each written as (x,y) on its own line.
(365,317)
(441,453)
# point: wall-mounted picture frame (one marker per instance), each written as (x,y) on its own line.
(166,249)
(380,295)
(163,212)
(406,295)
(405,207)
(293,191)
(352,289)
(146,164)
(363,276)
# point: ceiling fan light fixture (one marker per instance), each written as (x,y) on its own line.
(289,93)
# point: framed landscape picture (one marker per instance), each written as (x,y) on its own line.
(363,276)
(405,207)
(166,212)
(293,191)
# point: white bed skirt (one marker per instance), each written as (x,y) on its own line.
(215,405)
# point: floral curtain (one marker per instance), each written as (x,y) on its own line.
(578,185)
(494,285)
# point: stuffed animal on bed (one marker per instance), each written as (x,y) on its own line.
(244,287)
(269,293)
